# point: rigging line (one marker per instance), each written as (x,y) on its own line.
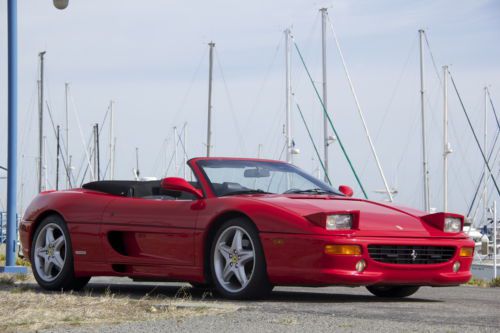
(330,121)
(360,112)
(396,88)
(460,151)
(82,162)
(81,136)
(188,91)
(459,184)
(262,86)
(313,143)
(170,164)
(182,141)
(230,102)
(92,149)
(493,107)
(478,188)
(103,122)
(489,157)
(474,133)
(55,134)
(159,156)
(432,59)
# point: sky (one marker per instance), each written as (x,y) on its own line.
(151,59)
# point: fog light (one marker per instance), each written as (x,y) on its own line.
(360,265)
(456,266)
(350,250)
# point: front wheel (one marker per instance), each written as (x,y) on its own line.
(393,291)
(52,256)
(237,261)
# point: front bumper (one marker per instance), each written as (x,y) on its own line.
(300,260)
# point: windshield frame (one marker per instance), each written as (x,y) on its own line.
(202,163)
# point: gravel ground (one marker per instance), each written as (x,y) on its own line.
(338,309)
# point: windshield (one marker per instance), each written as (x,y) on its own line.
(232,177)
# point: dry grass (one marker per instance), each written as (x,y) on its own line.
(31,309)
(19,261)
(494,283)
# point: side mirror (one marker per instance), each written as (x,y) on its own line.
(180,184)
(346,190)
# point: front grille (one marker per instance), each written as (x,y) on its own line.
(408,254)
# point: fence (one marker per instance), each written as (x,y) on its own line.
(3,227)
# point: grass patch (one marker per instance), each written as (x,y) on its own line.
(19,261)
(32,309)
(494,283)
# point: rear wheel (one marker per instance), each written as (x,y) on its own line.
(52,256)
(237,261)
(393,291)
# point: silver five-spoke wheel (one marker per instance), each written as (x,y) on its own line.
(50,252)
(234,259)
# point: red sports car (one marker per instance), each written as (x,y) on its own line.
(241,226)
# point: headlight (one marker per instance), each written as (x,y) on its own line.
(452,224)
(339,221)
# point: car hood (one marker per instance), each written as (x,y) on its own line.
(375,218)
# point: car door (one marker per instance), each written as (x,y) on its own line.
(150,231)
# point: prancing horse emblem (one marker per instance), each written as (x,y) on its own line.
(413,255)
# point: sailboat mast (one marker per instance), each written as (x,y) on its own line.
(324,13)
(446,148)
(176,164)
(40,123)
(288,91)
(485,147)
(68,166)
(111,142)
(57,158)
(210,75)
(184,150)
(424,140)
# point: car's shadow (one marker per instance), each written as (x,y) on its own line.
(309,295)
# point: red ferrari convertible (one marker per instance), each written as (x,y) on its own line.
(241,226)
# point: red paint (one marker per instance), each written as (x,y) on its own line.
(180,184)
(346,190)
(166,239)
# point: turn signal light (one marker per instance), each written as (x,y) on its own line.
(466,252)
(349,250)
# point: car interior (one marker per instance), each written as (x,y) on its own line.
(139,189)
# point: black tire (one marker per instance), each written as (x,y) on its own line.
(65,278)
(258,283)
(393,291)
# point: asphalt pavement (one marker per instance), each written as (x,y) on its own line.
(330,309)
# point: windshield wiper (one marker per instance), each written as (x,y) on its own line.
(311,190)
(249,191)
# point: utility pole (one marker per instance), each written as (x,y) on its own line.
(446,149)
(68,166)
(210,75)
(40,122)
(111,143)
(324,13)
(288,91)
(424,140)
(57,159)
